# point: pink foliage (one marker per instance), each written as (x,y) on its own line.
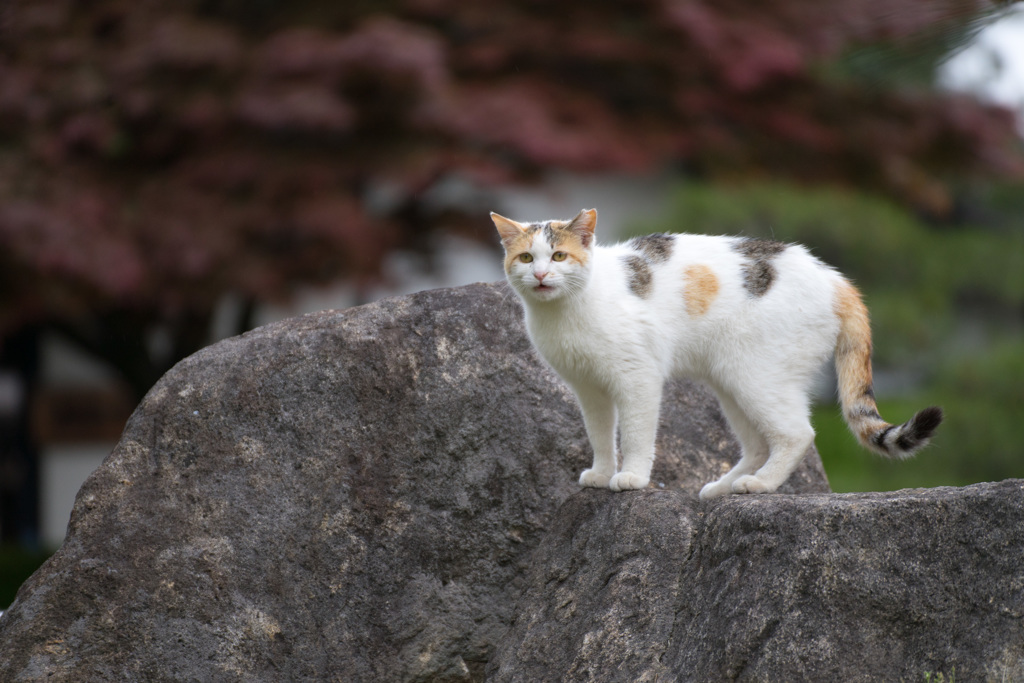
(155,156)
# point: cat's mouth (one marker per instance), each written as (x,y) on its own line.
(543,288)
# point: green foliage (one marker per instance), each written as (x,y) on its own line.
(939,677)
(16,565)
(985,428)
(911,61)
(945,303)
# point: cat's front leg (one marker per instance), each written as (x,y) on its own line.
(639,426)
(599,420)
(595,478)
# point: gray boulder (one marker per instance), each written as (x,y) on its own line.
(853,587)
(346,496)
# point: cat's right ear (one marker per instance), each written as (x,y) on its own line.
(507,228)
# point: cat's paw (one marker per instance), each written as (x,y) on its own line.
(715,489)
(595,479)
(749,484)
(625,481)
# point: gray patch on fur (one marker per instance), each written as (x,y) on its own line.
(759,249)
(759,273)
(879,437)
(758,277)
(861,412)
(546,228)
(549,233)
(656,247)
(639,275)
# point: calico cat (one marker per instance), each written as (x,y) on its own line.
(754,319)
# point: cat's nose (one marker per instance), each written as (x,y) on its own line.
(540,275)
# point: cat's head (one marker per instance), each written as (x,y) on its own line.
(547,260)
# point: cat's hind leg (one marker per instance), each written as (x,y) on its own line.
(754,450)
(789,434)
(599,420)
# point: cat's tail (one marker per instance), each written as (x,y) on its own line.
(856,394)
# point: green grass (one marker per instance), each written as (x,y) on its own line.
(16,565)
(939,677)
(980,439)
(850,467)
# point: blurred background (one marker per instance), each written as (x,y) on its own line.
(175,173)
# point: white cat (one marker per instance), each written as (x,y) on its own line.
(754,319)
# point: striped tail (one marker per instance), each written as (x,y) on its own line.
(853,368)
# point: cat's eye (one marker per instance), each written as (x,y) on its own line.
(526,258)
(559,256)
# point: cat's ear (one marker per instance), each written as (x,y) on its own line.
(507,228)
(583,225)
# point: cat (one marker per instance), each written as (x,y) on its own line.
(753,319)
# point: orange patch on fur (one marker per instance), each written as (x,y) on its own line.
(853,365)
(517,246)
(575,251)
(700,289)
(853,346)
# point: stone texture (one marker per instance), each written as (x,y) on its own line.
(347,496)
(852,587)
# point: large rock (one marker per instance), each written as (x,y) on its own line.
(348,496)
(853,587)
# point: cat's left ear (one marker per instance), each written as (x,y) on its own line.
(507,228)
(583,225)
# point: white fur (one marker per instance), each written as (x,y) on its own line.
(759,353)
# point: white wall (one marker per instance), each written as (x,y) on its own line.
(62,471)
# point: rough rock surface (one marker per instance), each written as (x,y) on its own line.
(851,587)
(347,496)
